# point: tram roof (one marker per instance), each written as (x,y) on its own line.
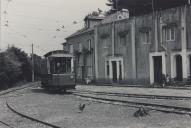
(58,53)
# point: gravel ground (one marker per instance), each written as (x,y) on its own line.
(62,110)
(13,119)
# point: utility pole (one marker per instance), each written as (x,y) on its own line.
(32,64)
(153,8)
(116,4)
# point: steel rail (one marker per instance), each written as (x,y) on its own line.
(20,114)
(31,118)
(6,124)
(4,92)
(138,95)
(14,89)
(157,107)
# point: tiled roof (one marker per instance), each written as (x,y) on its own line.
(81,31)
(94,17)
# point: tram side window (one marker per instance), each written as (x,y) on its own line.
(61,65)
(68,66)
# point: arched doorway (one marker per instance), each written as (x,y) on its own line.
(179,68)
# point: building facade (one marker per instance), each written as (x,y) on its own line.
(138,50)
(81,45)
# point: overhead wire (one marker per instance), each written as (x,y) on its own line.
(35,4)
(36,46)
(30,27)
(31,17)
(8,24)
(60,28)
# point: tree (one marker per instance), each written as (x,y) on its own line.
(15,66)
(38,69)
(10,69)
(113,5)
(23,58)
(139,7)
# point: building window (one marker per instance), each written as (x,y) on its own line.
(90,74)
(107,66)
(89,44)
(144,36)
(123,40)
(120,70)
(169,33)
(79,47)
(71,48)
(105,43)
(79,72)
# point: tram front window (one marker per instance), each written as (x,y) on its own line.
(60,65)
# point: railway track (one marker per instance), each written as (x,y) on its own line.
(2,93)
(46,124)
(137,95)
(105,97)
(6,124)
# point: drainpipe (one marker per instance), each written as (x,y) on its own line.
(184,42)
(155,31)
(96,51)
(161,35)
(113,39)
(134,71)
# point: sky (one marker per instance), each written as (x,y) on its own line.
(45,23)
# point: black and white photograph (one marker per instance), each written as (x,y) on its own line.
(95,63)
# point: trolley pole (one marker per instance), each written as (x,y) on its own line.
(32,56)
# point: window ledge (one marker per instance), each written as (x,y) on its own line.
(146,43)
(167,41)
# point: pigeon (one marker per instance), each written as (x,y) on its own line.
(81,107)
(57,29)
(75,22)
(141,112)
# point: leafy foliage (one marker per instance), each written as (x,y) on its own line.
(14,66)
(113,5)
(139,7)
(25,62)
(39,66)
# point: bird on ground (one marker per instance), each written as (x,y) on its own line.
(81,107)
(141,112)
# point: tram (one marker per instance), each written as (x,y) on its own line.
(59,71)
